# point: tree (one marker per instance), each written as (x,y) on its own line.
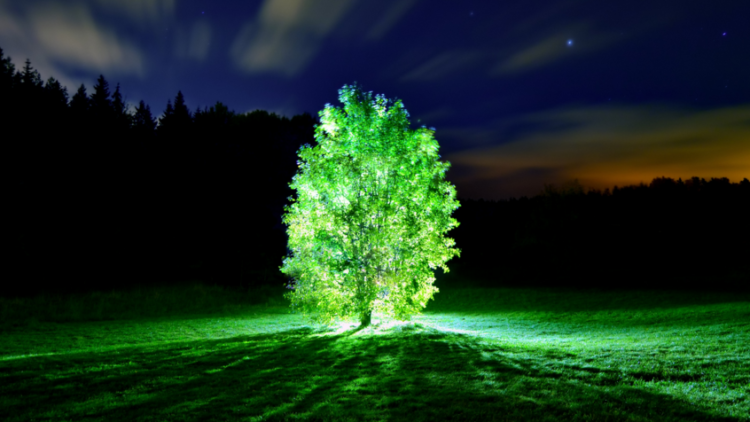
(80,103)
(30,77)
(167,115)
(30,94)
(122,119)
(144,124)
(176,120)
(366,227)
(56,95)
(101,103)
(7,68)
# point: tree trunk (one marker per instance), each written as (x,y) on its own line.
(366,319)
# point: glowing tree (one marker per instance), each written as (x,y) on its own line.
(366,230)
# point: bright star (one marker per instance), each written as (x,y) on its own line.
(570,43)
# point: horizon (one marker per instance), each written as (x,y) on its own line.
(520,94)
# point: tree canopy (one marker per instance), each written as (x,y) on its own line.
(366,229)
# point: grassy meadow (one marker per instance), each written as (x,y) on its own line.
(205,353)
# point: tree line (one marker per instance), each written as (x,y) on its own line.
(668,233)
(102,196)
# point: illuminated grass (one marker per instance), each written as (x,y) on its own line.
(475,354)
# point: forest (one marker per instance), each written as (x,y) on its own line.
(665,234)
(104,196)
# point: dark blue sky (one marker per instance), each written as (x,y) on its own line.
(521,93)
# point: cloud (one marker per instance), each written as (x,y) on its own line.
(12,31)
(200,41)
(390,18)
(286,35)
(61,40)
(443,65)
(70,35)
(196,43)
(619,145)
(553,48)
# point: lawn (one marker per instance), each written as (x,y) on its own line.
(474,354)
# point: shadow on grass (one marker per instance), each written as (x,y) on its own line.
(299,375)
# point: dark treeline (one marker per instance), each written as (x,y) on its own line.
(101,197)
(692,233)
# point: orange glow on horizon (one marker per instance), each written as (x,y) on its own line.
(604,147)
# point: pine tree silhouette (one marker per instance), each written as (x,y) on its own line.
(30,77)
(144,123)
(100,98)
(30,92)
(8,106)
(182,115)
(122,120)
(80,104)
(7,70)
(175,128)
(56,95)
(30,102)
(102,112)
(166,118)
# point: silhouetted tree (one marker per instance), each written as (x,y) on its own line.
(101,103)
(144,124)
(181,113)
(30,96)
(56,116)
(122,119)
(80,104)
(101,111)
(56,95)
(166,116)
(569,188)
(8,107)
(216,118)
(176,121)
(7,70)
(30,78)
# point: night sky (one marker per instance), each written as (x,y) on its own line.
(521,93)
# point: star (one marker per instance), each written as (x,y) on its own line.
(570,43)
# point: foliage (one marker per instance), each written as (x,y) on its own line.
(366,229)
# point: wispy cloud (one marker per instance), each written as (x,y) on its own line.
(553,48)
(619,145)
(286,35)
(390,18)
(60,38)
(443,65)
(70,35)
(194,44)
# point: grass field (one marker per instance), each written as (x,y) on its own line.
(475,354)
